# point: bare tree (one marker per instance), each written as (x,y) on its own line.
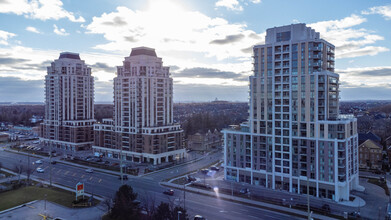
(108,202)
(149,202)
(29,171)
(19,170)
(365,124)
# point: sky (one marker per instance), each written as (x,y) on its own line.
(207,44)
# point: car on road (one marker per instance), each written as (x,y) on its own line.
(199,217)
(89,170)
(39,162)
(244,191)
(204,171)
(53,162)
(35,142)
(354,215)
(169,192)
(40,170)
(214,168)
(124,177)
(191,178)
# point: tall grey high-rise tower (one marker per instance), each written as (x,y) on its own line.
(295,135)
(69,104)
(143,128)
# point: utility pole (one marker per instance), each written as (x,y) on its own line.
(308,198)
(50,165)
(120,162)
(184,196)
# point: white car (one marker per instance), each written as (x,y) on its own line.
(39,162)
(40,170)
(89,170)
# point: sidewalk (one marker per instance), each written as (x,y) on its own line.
(116,173)
(248,201)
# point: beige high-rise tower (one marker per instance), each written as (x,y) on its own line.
(143,128)
(295,134)
(69,104)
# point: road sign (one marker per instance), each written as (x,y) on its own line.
(79,189)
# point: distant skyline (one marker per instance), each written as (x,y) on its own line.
(207,44)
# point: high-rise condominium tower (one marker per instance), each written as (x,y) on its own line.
(294,135)
(143,128)
(69,104)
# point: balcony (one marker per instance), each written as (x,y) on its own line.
(317,48)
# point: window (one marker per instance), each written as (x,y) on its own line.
(283,36)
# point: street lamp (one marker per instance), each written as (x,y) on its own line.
(179,214)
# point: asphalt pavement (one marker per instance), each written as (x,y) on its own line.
(148,186)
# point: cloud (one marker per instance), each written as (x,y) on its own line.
(102,67)
(348,40)
(201,72)
(192,33)
(59,31)
(228,39)
(229,4)
(255,1)
(4,36)
(11,87)
(9,60)
(385,11)
(32,29)
(38,9)
(380,71)
(202,93)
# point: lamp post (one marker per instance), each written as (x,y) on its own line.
(179,214)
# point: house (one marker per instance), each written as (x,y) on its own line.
(362,137)
(4,137)
(370,155)
(205,142)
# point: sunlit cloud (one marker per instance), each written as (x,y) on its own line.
(33,29)
(38,9)
(59,31)
(385,11)
(349,40)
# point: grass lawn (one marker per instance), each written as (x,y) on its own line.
(22,195)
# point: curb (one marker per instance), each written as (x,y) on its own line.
(296,212)
(16,207)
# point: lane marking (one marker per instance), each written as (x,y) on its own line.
(90,179)
(66,173)
(74,174)
(82,176)
(100,180)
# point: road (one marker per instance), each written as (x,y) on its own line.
(147,187)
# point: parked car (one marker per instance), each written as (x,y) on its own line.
(125,177)
(244,191)
(39,162)
(199,217)
(114,164)
(326,208)
(214,168)
(40,170)
(89,170)
(169,192)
